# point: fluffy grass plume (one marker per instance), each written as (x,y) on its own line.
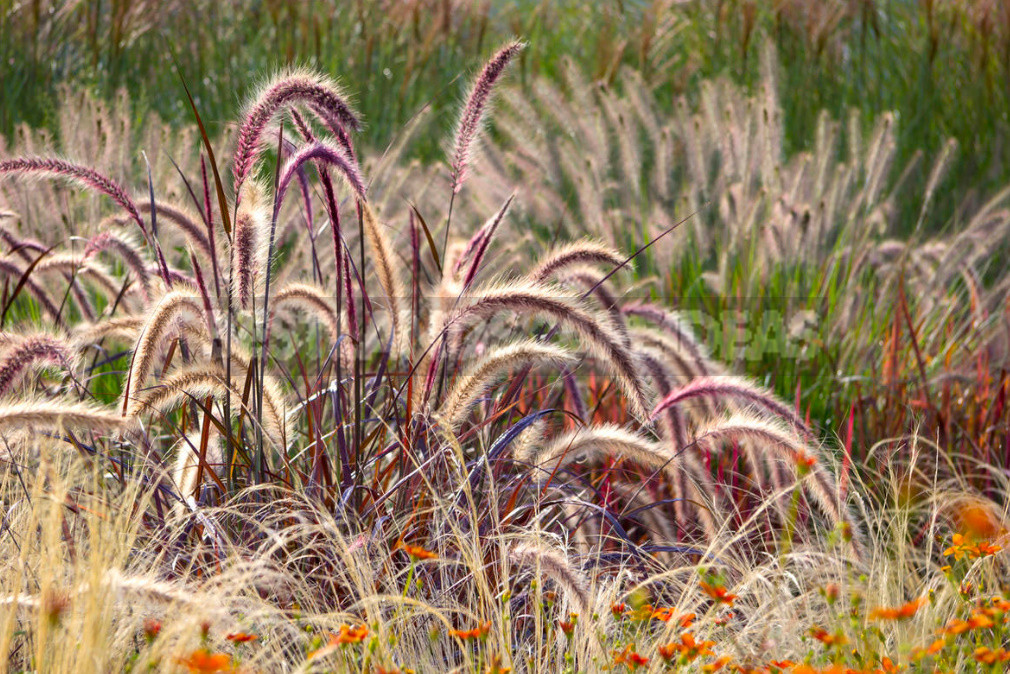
(474,110)
(283,90)
(552,302)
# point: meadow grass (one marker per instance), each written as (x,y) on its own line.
(942,67)
(273,400)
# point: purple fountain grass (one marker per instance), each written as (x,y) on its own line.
(479,243)
(577,253)
(23,247)
(193,231)
(780,445)
(299,87)
(673,424)
(556,567)
(159,324)
(327,154)
(595,284)
(56,415)
(245,243)
(339,131)
(474,111)
(81,174)
(548,301)
(131,257)
(208,380)
(32,350)
(737,388)
(309,298)
(672,325)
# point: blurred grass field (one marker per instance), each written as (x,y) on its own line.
(942,67)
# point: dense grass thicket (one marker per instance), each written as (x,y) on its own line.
(942,68)
(668,338)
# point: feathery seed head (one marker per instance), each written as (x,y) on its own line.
(286,89)
(472,117)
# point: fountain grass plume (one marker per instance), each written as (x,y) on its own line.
(479,378)
(673,423)
(328,154)
(186,467)
(311,298)
(245,242)
(193,230)
(158,326)
(609,441)
(392,286)
(556,567)
(127,251)
(595,285)
(24,247)
(83,175)
(576,253)
(736,388)
(54,415)
(779,444)
(33,351)
(73,265)
(283,90)
(207,380)
(121,327)
(524,297)
(479,243)
(674,329)
(472,118)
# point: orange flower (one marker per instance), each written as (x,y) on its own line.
(630,658)
(619,609)
(888,667)
(152,628)
(568,626)
(686,620)
(1000,604)
(958,548)
(717,665)
(828,639)
(346,635)
(666,614)
(804,668)
(241,637)
(961,548)
(985,549)
(718,592)
(804,462)
(932,649)
(691,648)
(978,620)
(349,635)
(478,632)
(204,662)
(902,612)
(988,656)
(416,551)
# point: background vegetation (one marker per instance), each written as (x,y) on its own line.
(943,68)
(315,415)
